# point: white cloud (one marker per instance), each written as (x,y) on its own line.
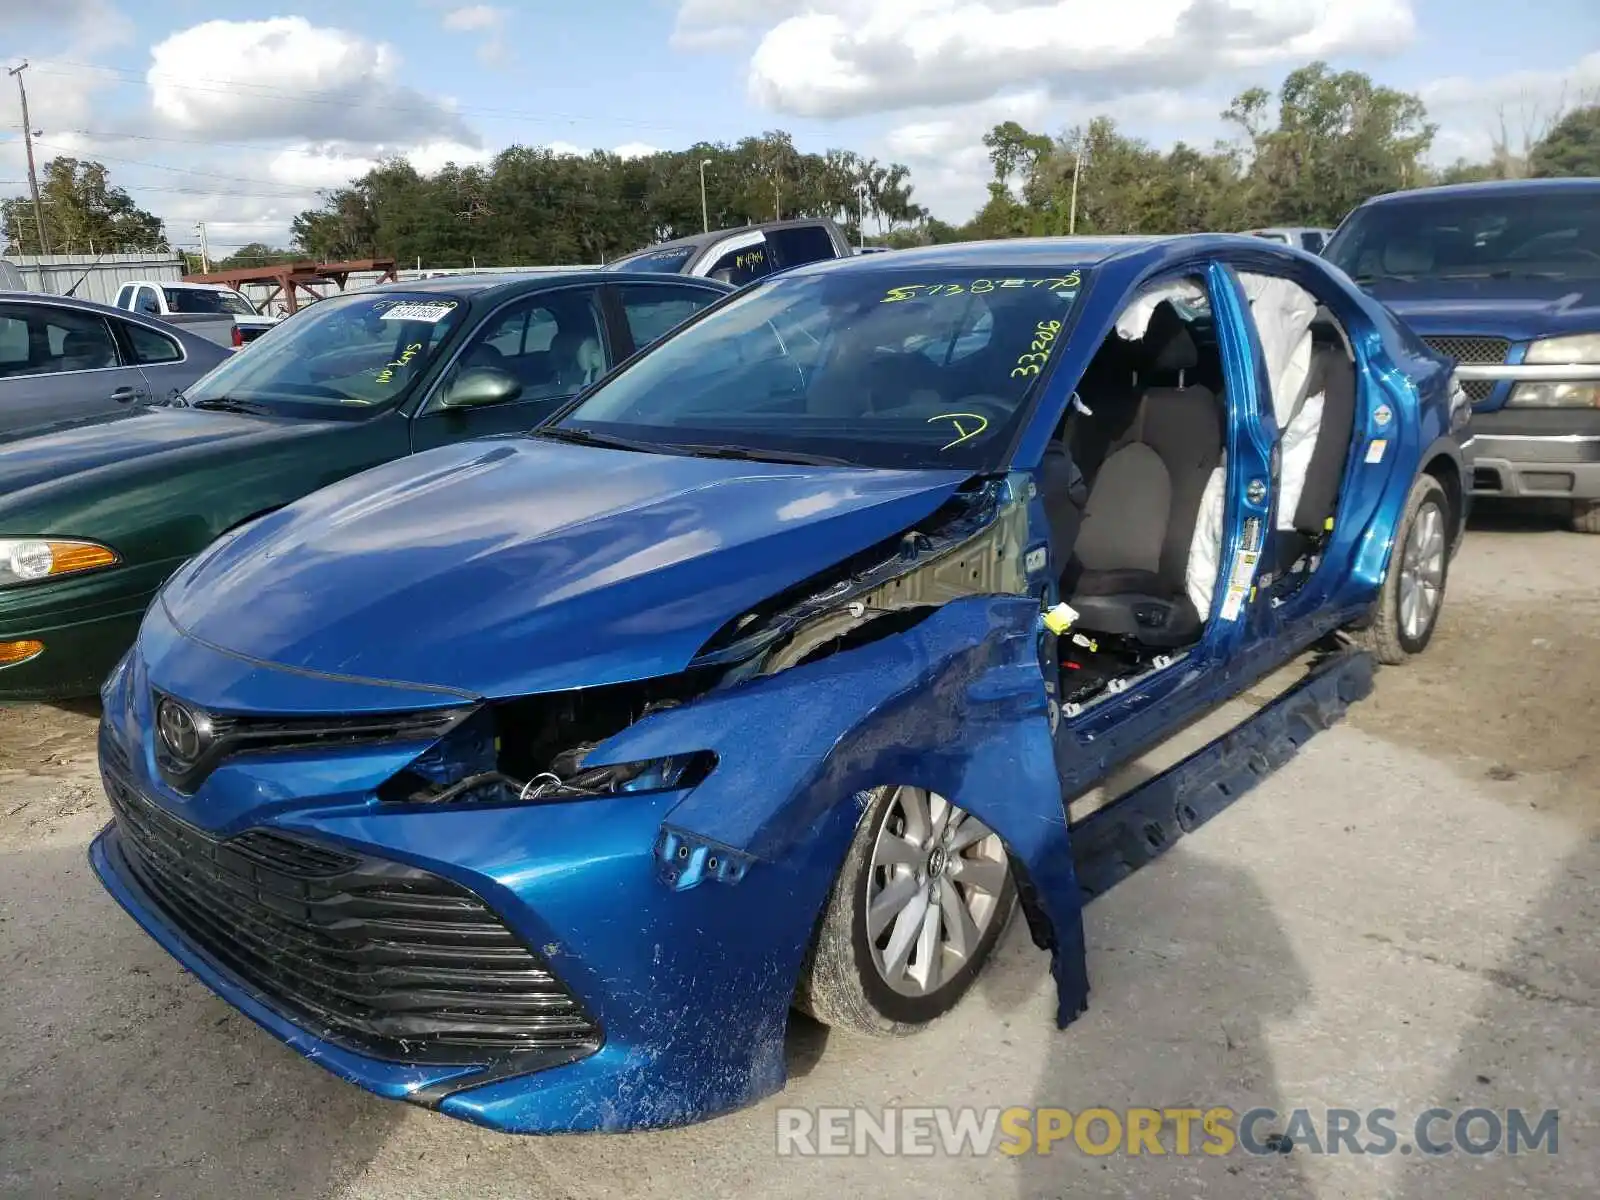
(636,150)
(285,77)
(474,18)
(836,58)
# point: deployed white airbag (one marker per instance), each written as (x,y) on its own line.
(1135,319)
(1283,312)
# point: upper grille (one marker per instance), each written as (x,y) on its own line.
(1467,348)
(386,959)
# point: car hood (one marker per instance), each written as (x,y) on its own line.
(1519,309)
(155,438)
(509,566)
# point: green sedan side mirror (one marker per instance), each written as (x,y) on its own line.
(481,386)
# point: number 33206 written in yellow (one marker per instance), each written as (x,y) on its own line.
(1038,354)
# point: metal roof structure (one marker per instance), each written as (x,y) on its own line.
(289,279)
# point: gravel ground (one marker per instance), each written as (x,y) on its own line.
(1403,917)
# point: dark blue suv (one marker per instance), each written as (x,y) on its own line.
(1504,278)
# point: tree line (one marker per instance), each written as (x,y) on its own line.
(1304,154)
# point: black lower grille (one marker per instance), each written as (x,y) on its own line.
(1474,350)
(389,960)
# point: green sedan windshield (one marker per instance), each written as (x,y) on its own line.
(363,349)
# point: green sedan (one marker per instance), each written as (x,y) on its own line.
(95,516)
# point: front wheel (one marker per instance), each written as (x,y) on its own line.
(921,901)
(1586,516)
(1412,594)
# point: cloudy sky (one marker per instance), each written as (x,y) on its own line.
(235,113)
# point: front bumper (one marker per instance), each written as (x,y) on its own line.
(1544,454)
(688,988)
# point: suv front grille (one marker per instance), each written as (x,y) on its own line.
(386,959)
(1478,351)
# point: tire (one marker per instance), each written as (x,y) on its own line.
(1586,516)
(846,979)
(1391,637)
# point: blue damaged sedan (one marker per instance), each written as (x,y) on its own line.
(536,779)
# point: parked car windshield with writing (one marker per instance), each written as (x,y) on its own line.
(100,513)
(866,369)
(757,677)
(1504,278)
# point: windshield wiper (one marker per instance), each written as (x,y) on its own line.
(229,404)
(749,455)
(587,437)
(1375,276)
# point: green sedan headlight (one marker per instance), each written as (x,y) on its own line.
(26,560)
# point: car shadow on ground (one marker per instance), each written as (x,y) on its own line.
(1182,996)
(131,1079)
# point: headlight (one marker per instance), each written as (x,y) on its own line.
(23,560)
(1578,348)
(1556,395)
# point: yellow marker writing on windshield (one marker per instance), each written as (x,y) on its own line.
(965,433)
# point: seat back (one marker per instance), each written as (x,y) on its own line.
(1144,499)
(1333,375)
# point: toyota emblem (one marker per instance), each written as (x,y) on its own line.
(180,732)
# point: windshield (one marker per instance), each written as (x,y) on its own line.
(884,368)
(668,262)
(1535,234)
(204,300)
(364,349)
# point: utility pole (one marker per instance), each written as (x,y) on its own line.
(205,249)
(1077,168)
(705,214)
(27,138)
(861,220)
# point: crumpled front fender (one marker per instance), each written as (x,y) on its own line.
(956,704)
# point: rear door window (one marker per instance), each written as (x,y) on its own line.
(653,310)
(149,347)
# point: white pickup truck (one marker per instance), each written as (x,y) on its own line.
(198,307)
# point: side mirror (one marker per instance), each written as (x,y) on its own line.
(480,387)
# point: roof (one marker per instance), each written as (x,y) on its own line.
(1002,252)
(508,283)
(694,241)
(1488,187)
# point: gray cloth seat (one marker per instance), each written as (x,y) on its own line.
(1132,551)
(1334,376)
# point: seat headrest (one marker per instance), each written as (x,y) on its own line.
(1167,343)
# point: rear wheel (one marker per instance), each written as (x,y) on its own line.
(921,901)
(1412,594)
(1586,516)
